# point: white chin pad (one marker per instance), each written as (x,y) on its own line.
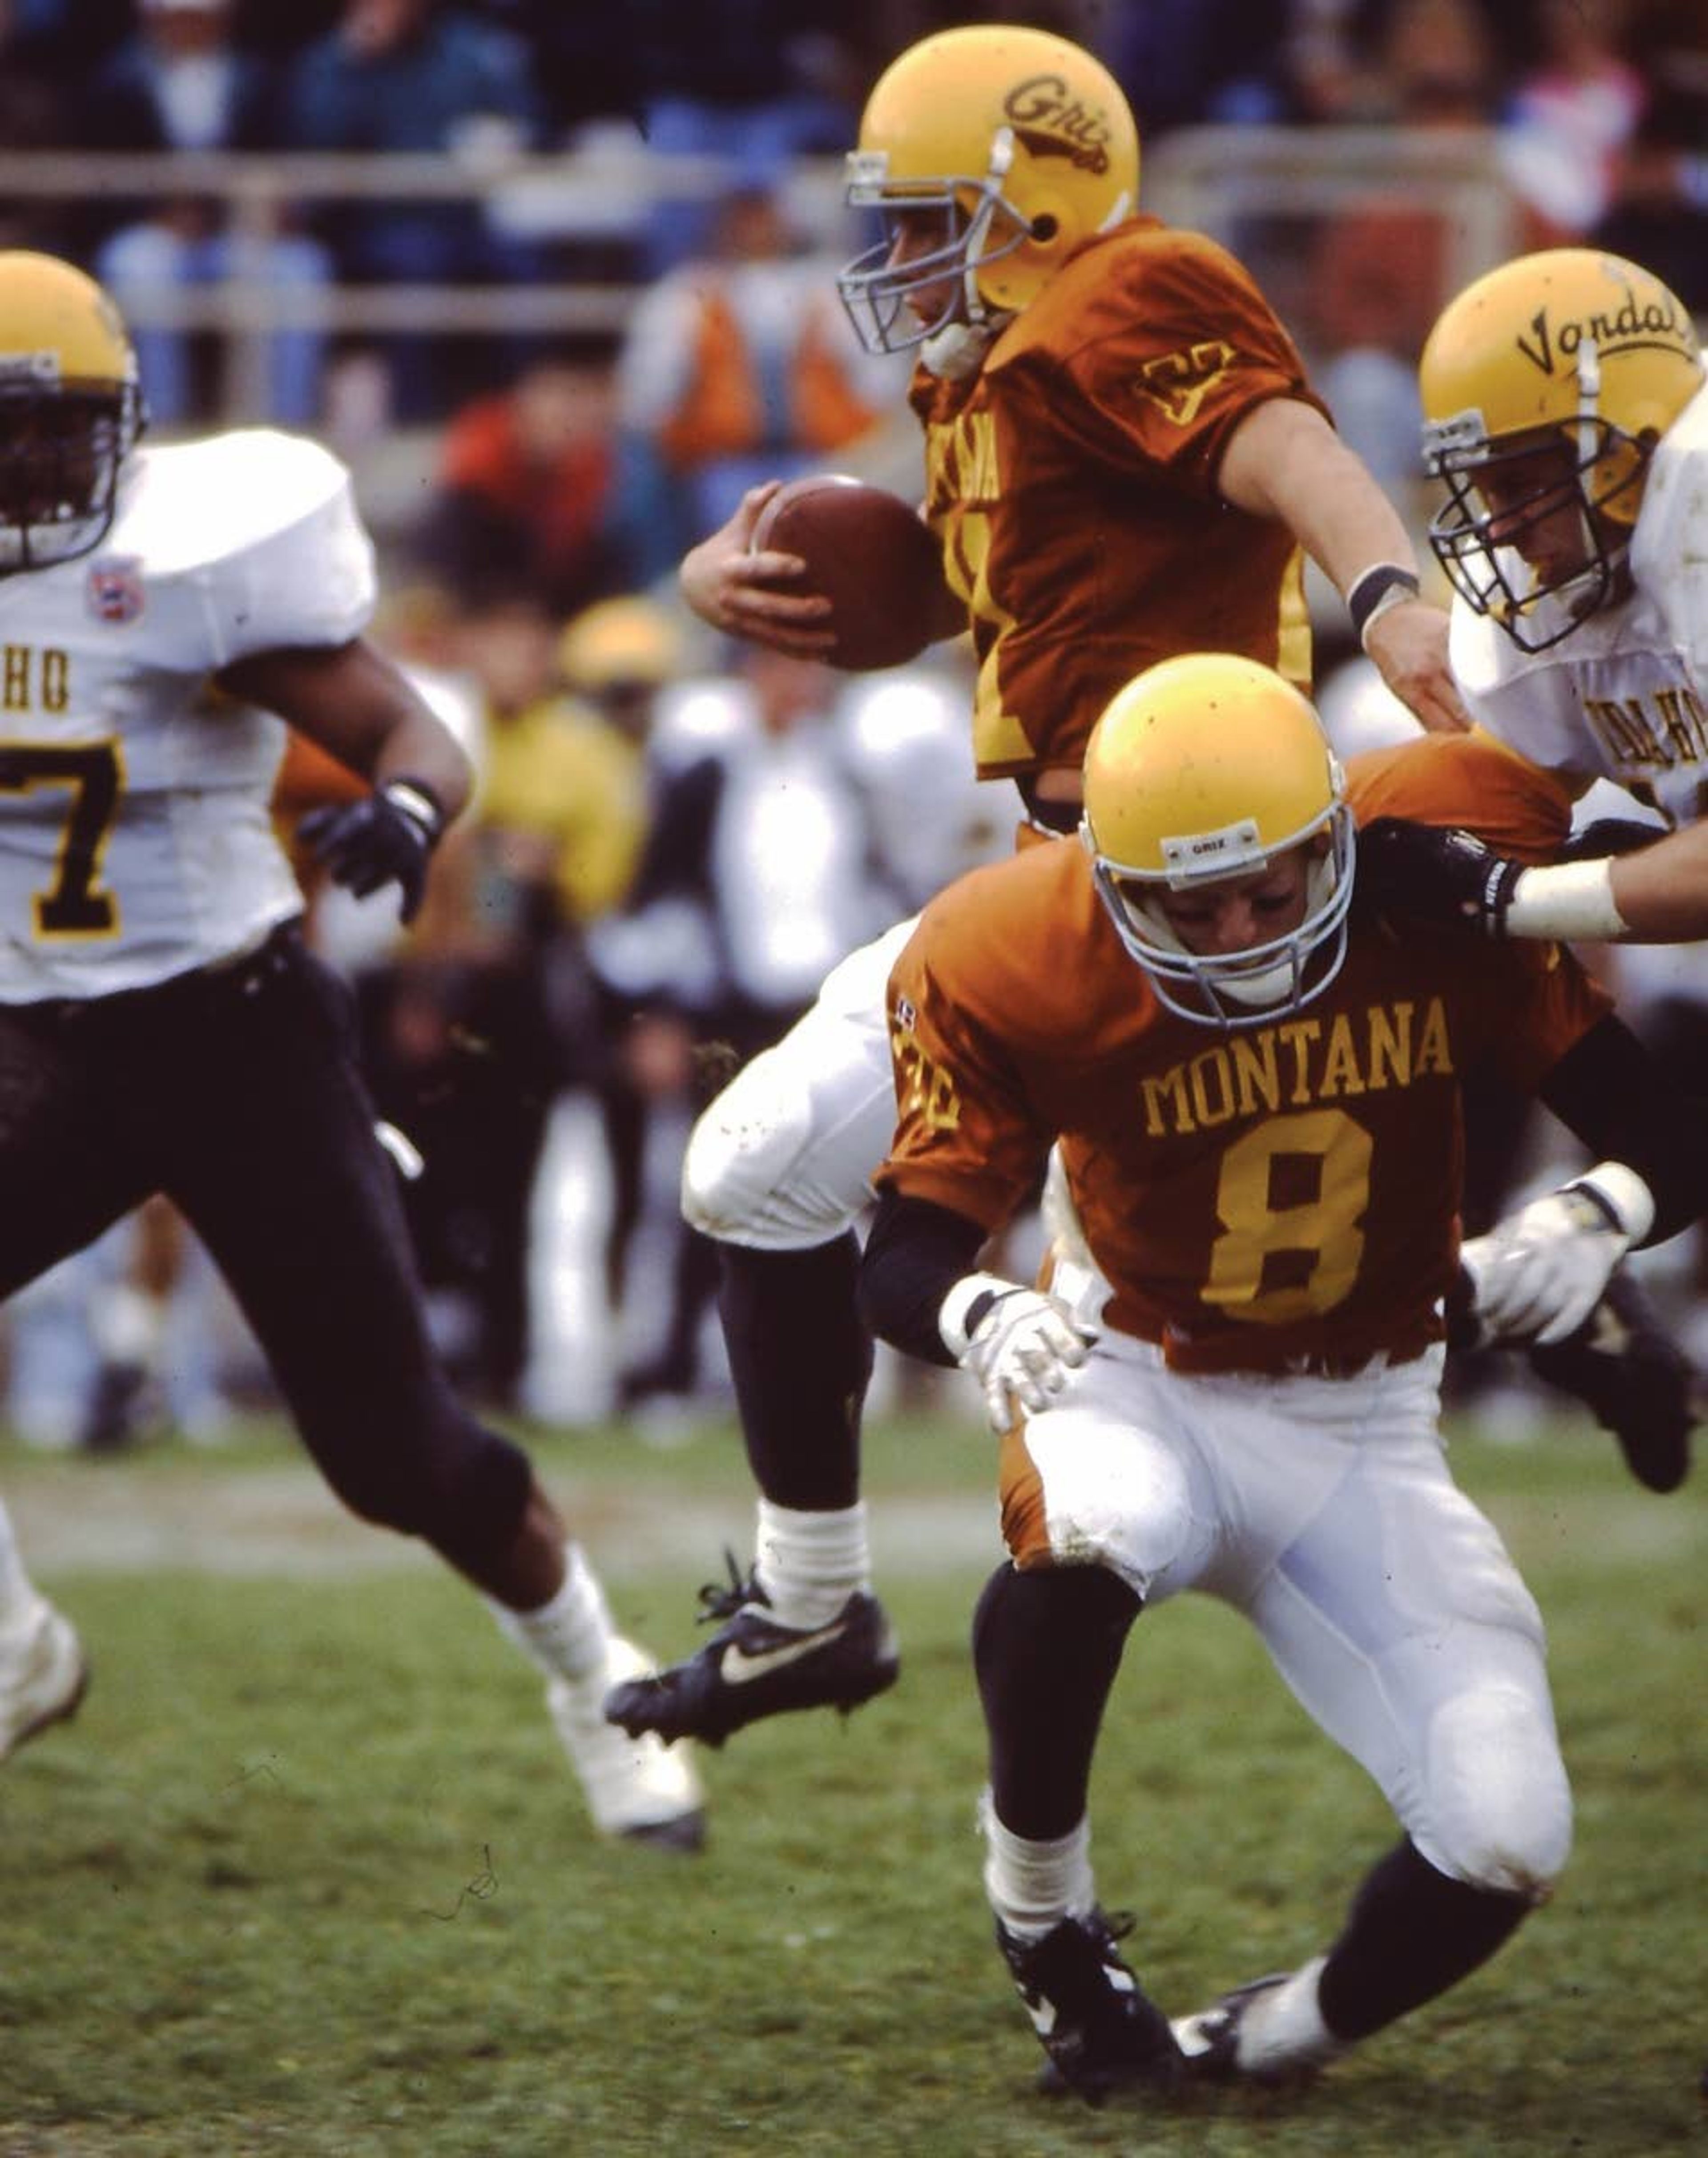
(956,350)
(1269,985)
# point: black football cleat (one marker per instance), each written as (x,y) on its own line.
(753,1667)
(116,1414)
(1103,2035)
(1209,2041)
(1635,1382)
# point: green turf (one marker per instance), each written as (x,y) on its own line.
(306,1875)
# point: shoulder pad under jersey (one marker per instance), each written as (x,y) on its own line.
(264,525)
(1668,556)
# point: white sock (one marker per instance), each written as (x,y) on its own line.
(129,1325)
(1284,2028)
(19,1602)
(569,1636)
(1032,1886)
(810,1564)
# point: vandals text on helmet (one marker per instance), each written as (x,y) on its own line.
(1637,325)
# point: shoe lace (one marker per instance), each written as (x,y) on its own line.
(720,1599)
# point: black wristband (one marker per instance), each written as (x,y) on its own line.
(982,1307)
(1372,587)
(1597,1201)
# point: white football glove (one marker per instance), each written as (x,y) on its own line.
(1020,1346)
(1539,1274)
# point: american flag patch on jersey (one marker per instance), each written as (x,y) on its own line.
(115,589)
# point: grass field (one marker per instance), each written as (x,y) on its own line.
(307,1875)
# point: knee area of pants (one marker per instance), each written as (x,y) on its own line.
(1126,1508)
(463,1492)
(1502,1802)
(739,1156)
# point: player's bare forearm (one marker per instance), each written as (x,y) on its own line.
(1284,461)
(1409,645)
(1661,892)
(358,706)
(1654,895)
(1657,895)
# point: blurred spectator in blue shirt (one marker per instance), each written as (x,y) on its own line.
(754,82)
(181,82)
(415,75)
(1187,63)
(586,58)
(33,116)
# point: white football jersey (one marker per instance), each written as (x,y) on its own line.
(135,834)
(1625,696)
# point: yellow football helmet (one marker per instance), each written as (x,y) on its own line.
(1576,363)
(70,409)
(1022,142)
(628,642)
(1203,768)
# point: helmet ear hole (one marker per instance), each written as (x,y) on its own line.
(1045,228)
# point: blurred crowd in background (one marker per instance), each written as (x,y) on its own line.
(672,843)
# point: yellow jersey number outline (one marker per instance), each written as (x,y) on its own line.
(74,905)
(1328,1226)
(929,1092)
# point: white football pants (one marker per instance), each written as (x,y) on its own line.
(1323,1510)
(783,1158)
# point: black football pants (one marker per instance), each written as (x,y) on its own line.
(236,1093)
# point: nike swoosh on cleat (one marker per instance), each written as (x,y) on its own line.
(738,1667)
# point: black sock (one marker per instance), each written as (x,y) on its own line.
(1046,1646)
(801,1359)
(1412,1933)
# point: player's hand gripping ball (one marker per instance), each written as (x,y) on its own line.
(869,555)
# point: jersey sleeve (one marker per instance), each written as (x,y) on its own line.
(966,1137)
(1181,346)
(1470,781)
(1543,1002)
(1537,999)
(1668,556)
(290,564)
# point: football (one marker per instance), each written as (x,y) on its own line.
(869,555)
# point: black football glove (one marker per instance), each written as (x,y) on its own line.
(1638,1385)
(1609,835)
(1440,875)
(386,839)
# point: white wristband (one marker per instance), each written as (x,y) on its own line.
(1623,1190)
(1567,900)
(952,1313)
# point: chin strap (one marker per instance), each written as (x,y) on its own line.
(1589,398)
(957,350)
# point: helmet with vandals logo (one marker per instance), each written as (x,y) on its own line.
(1545,385)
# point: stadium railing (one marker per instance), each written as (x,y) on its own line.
(1257,189)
